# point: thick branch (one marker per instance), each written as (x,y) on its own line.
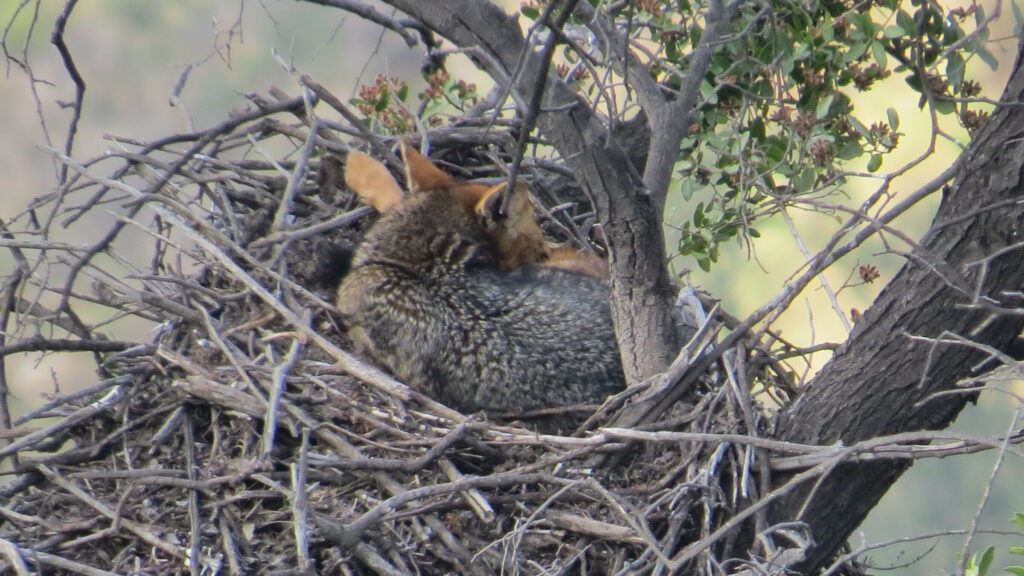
(670,117)
(671,123)
(882,381)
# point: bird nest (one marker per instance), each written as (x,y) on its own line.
(238,436)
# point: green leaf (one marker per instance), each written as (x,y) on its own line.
(383,100)
(707,91)
(894,119)
(823,105)
(725,234)
(1018,519)
(955,69)
(687,188)
(855,53)
(850,150)
(672,50)
(973,567)
(531,13)
(945,107)
(952,33)
(1015,570)
(894,31)
(757,128)
(986,560)
(905,20)
(698,215)
(788,64)
(715,141)
(878,53)
(739,144)
(1018,550)
(704,263)
(860,128)
(433,107)
(863,24)
(914,81)
(774,149)
(403,92)
(804,181)
(827,32)
(987,58)
(874,163)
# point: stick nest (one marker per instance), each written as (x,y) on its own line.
(235,435)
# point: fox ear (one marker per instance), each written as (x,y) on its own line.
(371,181)
(420,172)
(489,205)
(516,235)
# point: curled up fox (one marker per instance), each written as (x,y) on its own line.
(471,307)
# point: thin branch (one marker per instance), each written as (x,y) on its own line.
(368,13)
(57,38)
(533,106)
(987,493)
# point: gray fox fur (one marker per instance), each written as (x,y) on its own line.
(430,298)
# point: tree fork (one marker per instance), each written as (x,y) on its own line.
(882,381)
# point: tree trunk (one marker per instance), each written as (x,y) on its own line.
(642,292)
(882,381)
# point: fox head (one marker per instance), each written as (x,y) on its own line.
(516,237)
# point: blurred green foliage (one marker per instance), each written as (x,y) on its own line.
(776,122)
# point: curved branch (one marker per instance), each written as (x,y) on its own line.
(57,39)
(368,13)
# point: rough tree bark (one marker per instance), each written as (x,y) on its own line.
(882,381)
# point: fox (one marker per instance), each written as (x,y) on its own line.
(472,307)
